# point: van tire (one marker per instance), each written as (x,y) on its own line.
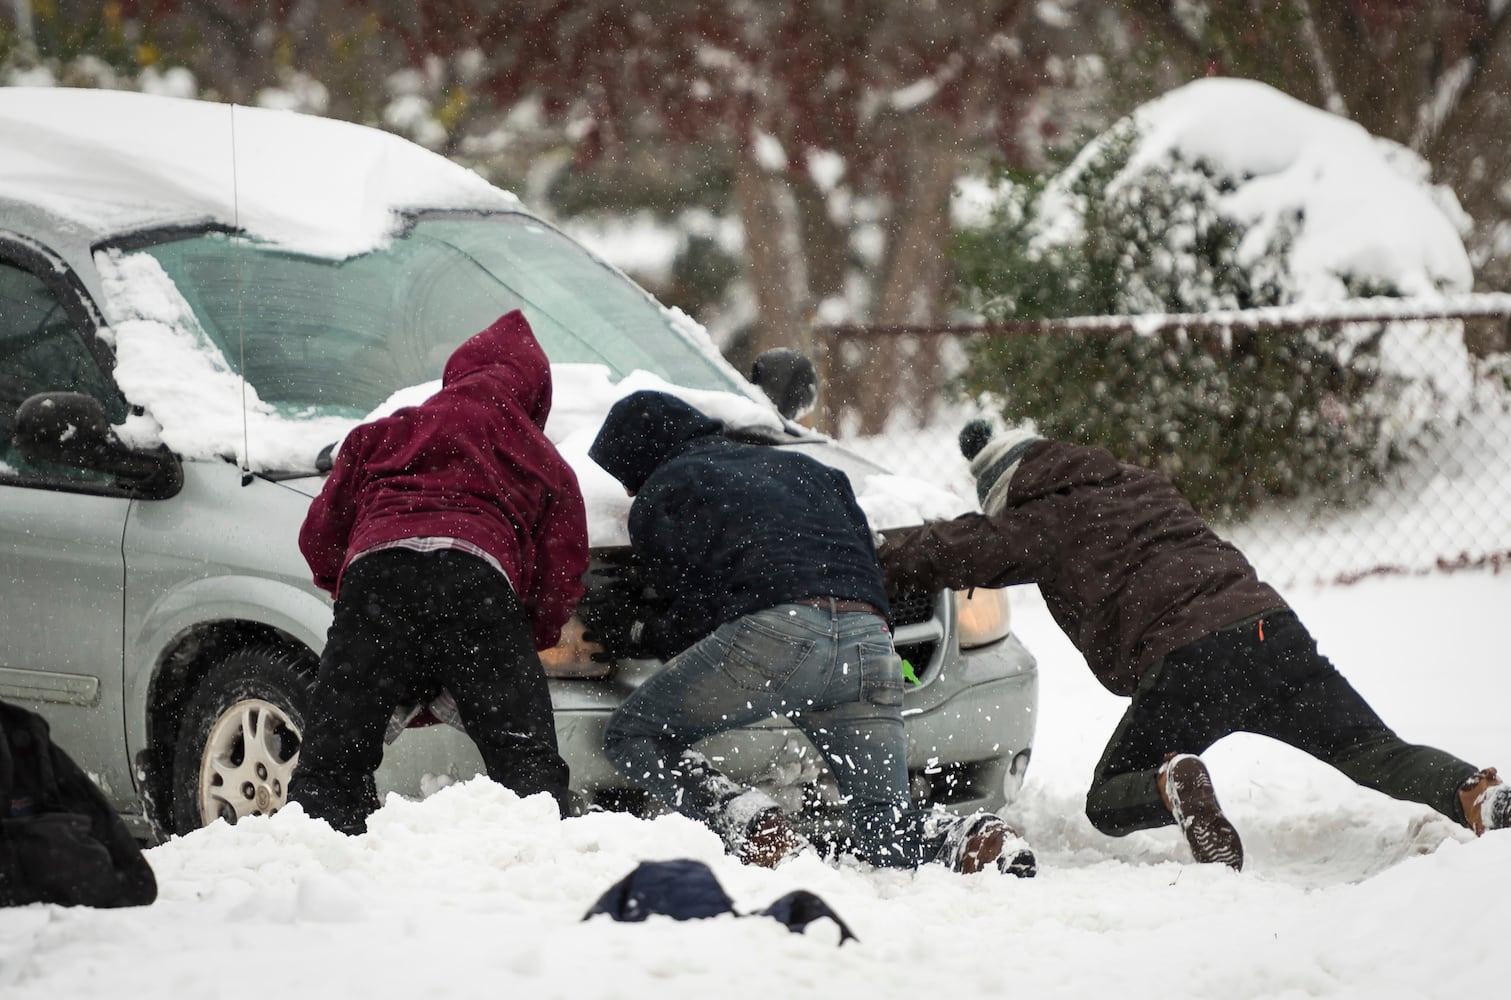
(240,736)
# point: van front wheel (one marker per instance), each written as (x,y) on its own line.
(240,737)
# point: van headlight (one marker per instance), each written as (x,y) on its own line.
(982,616)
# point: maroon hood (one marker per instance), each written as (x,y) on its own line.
(512,361)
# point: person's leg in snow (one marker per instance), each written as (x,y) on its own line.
(835,675)
(1261,676)
(736,675)
(407,622)
(1171,712)
(485,656)
(1198,694)
(854,718)
(1316,710)
(369,665)
(855,721)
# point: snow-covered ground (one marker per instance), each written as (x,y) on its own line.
(474,893)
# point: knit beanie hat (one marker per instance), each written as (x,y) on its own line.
(994,458)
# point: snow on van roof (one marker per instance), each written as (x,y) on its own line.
(116,161)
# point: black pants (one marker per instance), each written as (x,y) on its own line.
(1264,676)
(406,625)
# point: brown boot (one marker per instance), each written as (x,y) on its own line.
(975,842)
(1186,788)
(769,840)
(1486,801)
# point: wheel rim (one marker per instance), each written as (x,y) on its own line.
(249,756)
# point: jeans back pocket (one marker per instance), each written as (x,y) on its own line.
(880,674)
(763,657)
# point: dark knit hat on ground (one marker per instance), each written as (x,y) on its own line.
(994,458)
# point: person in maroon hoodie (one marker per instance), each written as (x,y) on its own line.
(453,536)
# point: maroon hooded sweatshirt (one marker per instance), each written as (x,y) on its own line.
(472,462)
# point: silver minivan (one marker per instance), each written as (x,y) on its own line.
(195,301)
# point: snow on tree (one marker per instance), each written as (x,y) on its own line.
(1226,194)
(1430,74)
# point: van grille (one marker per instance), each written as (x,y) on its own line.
(913,607)
(916,608)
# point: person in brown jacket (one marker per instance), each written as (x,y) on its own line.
(1169,615)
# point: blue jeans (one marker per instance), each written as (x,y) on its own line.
(834,674)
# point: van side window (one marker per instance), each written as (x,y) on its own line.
(40,351)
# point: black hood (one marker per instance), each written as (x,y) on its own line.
(643,430)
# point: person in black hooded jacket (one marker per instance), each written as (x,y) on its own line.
(772,604)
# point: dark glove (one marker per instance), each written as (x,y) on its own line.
(613,610)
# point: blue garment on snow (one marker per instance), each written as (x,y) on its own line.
(685,889)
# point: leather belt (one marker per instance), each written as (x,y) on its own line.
(840,604)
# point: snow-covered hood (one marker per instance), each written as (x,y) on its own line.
(888,500)
(584,394)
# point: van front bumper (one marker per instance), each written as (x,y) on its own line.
(970,729)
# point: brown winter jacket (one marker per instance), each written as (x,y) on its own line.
(1126,566)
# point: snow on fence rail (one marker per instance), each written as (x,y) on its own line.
(1447,509)
(1488,305)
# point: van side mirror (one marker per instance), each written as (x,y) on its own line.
(788,379)
(71,429)
(326,460)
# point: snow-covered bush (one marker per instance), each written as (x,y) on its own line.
(1225,195)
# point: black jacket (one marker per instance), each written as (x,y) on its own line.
(725,528)
(1126,566)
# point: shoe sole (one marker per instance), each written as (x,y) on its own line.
(1496,808)
(1212,838)
(1020,865)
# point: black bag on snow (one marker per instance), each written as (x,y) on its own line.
(60,839)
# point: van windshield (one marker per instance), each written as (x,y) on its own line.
(341,336)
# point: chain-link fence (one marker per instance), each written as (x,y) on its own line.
(892,395)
